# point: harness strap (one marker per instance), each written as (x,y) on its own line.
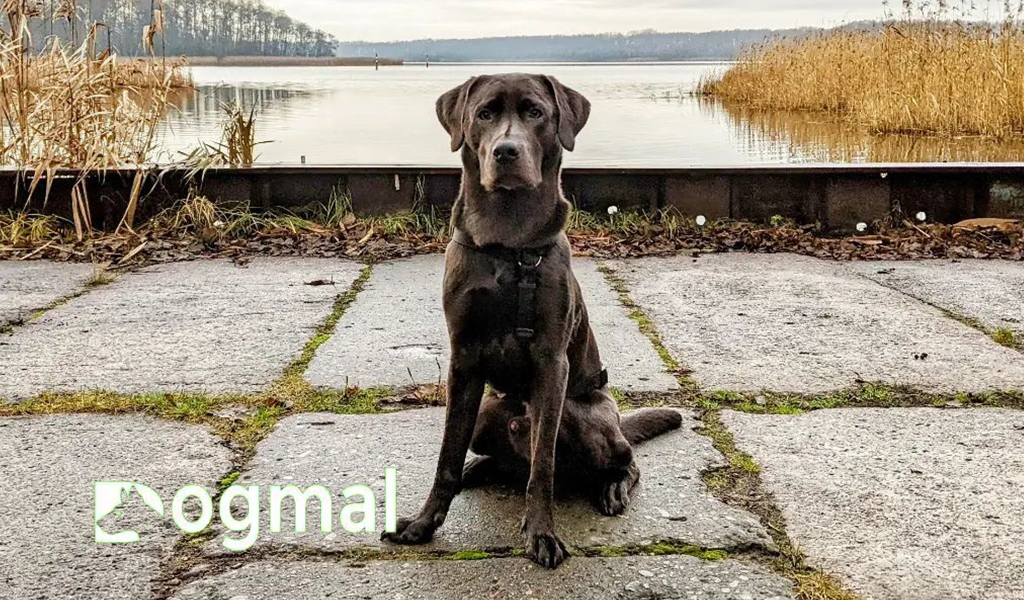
(527,262)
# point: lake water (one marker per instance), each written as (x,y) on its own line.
(643,116)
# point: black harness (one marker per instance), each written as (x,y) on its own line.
(527,262)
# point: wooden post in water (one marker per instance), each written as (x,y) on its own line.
(428,61)
(376,62)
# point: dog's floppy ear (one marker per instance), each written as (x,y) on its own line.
(573,112)
(451,111)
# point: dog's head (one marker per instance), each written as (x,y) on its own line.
(512,128)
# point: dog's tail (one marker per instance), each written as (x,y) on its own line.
(643,425)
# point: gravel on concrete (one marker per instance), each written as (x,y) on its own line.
(790,323)
(27,286)
(335,451)
(991,291)
(907,504)
(627,578)
(203,326)
(395,333)
(48,466)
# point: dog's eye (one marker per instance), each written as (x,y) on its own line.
(484,115)
(535,113)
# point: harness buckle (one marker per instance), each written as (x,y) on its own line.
(525,333)
(527,265)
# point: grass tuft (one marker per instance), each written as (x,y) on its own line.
(1005,337)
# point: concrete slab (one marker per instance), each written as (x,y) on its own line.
(790,323)
(395,334)
(337,451)
(26,286)
(49,466)
(908,504)
(990,290)
(629,578)
(204,326)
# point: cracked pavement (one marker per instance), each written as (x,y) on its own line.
(905,503)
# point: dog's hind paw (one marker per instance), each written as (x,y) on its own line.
(410,532)
(546,549)
(614,498)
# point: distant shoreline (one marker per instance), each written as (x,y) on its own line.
(289,61)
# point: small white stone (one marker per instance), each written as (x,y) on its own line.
(647,573)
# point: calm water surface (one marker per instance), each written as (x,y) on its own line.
(643,115)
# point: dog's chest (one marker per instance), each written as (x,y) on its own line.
(486,307)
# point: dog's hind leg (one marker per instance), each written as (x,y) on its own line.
(637,427)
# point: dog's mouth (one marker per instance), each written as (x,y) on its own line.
(498,178)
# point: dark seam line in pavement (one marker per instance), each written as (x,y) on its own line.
(972,322)
(738,484)
(98,279)
(211,566)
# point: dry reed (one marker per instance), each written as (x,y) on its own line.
(915,75)
(72,107)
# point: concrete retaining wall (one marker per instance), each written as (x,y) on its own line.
(837,196)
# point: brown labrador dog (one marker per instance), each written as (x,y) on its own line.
(516,316)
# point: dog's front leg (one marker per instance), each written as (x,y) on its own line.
(542,544)
(465,392)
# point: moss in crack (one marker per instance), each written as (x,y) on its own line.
(865,395)
(663,548)
(190,408)
(325,330)
(1001,335)
(227,481)
(472,555)
(739,484)
(647,328)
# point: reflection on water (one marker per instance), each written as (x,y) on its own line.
(799,137)
(643,116)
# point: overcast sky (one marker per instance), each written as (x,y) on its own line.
(385,20)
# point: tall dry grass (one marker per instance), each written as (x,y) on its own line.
(74,107)
(921,74)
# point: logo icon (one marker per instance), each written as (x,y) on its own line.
(118,505)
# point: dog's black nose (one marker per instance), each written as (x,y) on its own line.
(506,152)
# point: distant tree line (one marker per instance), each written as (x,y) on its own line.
(645,45)
(191,27)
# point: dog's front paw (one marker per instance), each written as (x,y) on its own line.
(410,532)
(545,549)
(614,498)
